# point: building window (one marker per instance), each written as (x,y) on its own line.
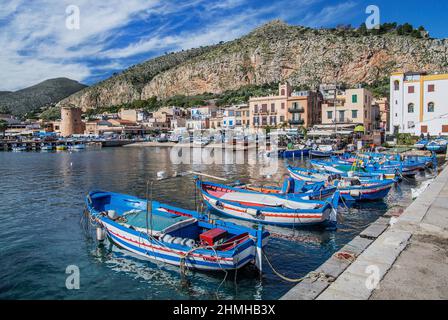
(411,108)
(255,120)
(264,121)
(282,118)
(431,88)
(355,98)
(256,108)
(366,114)
(431,107)
(329,114)
(424,129)
(396,85)
(264,108)
(283,105)
(282,92)
(272,107)
(354,114)
(411,89)
(341,116)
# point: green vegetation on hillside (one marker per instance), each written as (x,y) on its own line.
(405,29)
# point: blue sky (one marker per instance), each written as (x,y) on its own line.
(36,44)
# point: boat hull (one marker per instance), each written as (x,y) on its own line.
(271,215)
(293,153)
(321,154)
(144,248)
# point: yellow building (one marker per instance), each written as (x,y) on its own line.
(353,106)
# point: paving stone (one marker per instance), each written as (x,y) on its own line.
(306,290)
(440,202)
(357,245)
(437,216)
(347,286)
(374,230)
(414,214)
(334,267)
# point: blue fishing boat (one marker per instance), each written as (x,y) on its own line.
(312,175)
(19,147)
(294,153)
(294,188)
(165,233)
(436,146)
(46,146)
(354,189)
(421,144)
(268,209)
(322,151)
(350,187)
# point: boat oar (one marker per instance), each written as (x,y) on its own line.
(207,175)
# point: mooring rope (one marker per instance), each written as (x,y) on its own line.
(312,275)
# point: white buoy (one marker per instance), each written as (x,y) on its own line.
(100,234)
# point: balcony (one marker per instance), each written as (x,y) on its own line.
(343,121)
(296,110)
(296,122)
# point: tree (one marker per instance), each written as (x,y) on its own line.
(3,126)
(5,110)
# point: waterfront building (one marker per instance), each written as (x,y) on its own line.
(384,113)
(419,103)
(71,122)
(133,115)
(349,107)
(236,116)
(304,108)
(287,109)
(200,117)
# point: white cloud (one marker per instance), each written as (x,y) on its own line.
(36,45)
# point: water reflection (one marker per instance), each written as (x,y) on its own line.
(42,202)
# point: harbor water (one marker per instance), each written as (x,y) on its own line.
(42,201)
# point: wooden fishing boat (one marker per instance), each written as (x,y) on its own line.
(19,148)
(354,189)
(46,147)
(322,151)
(61,147)
(312,175)
(421,144)
(436,146)
(294,188)
(268,209)
(173,235)
(294,153)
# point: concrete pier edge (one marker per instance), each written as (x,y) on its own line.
(368,258)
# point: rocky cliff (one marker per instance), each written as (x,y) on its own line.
(271,53)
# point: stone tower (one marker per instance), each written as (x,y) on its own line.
(284,89)
(71,122)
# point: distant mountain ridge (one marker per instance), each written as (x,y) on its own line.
(271,53)
(42,94)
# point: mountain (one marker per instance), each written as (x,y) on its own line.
(35,97)
(271,53)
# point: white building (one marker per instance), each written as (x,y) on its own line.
(419,103)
